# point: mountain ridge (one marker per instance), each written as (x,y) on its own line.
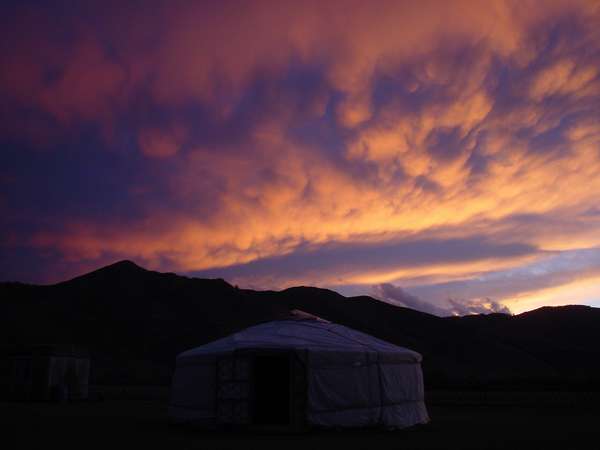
(135,321)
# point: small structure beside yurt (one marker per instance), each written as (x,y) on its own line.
(296,373)
(49,373)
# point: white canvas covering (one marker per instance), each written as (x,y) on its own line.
(353,379)
(49,372)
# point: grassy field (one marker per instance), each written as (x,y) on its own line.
(139,424)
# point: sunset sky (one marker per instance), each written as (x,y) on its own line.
(442,155)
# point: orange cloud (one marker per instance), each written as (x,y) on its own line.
(564,78)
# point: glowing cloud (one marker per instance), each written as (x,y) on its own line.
(277,143)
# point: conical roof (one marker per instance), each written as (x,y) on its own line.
(315,335)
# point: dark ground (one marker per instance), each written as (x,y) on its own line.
(142,424)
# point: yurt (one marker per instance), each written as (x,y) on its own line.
(297,373)
(49,372)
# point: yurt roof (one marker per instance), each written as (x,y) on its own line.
(298,334)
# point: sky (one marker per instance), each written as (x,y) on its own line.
(441,155)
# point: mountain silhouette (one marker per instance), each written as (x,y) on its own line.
(135,321)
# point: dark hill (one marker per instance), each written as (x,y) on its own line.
(134,321)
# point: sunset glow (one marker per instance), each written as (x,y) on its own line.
(450,149)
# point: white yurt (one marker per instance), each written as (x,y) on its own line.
(49,372)
(298,372)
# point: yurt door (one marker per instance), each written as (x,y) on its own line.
(271,399)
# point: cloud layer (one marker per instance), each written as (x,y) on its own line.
(278,143)
(452,307)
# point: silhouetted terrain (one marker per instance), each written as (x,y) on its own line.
(135,321)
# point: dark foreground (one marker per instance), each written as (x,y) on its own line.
(139,424)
